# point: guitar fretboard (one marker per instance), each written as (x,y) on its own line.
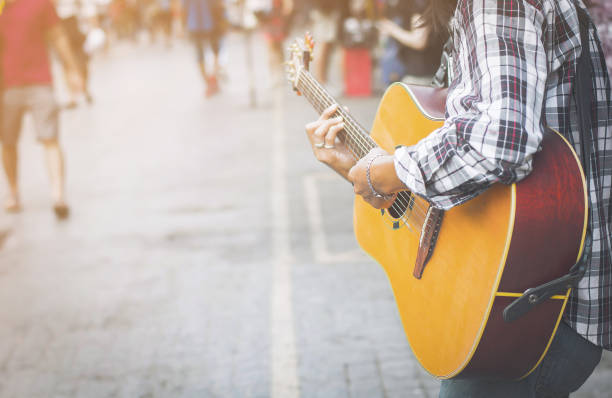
(355,137)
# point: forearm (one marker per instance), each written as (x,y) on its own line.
(60,43)
(415,38)
(384,177)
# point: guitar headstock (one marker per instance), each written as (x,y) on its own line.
(300,55)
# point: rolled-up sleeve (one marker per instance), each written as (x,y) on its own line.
(493,121)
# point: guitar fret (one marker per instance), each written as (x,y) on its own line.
(359,143)
(353,136)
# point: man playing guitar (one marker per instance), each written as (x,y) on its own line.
(515,67)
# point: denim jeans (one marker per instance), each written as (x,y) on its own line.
(569,362)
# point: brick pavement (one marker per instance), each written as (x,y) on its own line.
(159,285)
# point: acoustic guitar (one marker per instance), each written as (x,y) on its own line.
(454,272)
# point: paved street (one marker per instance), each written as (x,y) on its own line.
(207,255)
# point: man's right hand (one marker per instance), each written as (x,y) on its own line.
(75,81)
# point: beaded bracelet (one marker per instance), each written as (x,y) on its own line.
(376,194)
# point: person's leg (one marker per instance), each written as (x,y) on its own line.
(12,112)
(167,26)
(199,41)
(213,78)
(322,65)
(215,45)
(9,162)
(55,165)
(46,118)
(275,50)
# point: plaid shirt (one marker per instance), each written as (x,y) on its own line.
(514,64)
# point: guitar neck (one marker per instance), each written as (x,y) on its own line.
(355,137)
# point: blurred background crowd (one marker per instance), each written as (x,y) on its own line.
(381,41)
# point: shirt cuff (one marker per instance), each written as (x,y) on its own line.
(408,171)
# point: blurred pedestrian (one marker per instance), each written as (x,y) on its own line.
(131,21)
(117,13)
(411,49)
(25,26)
(163,20)
(275,17)
(326,18)
(206,25)
(358,37)
(178,22)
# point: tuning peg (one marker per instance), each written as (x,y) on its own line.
(309,41)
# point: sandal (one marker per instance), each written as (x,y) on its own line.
(61,210)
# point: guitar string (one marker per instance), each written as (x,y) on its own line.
(359,137)
(321,94)
(361,145)
(319,98)
(424,224)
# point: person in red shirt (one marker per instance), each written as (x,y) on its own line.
(26,28)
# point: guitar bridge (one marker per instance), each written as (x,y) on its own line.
(429,237)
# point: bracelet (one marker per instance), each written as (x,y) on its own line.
(376,194)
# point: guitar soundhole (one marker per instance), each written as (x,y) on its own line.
(403,202)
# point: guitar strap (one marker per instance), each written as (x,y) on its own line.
(583,98)
(444,75)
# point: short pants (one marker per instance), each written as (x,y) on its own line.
(40,102)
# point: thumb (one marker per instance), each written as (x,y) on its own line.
(352,174)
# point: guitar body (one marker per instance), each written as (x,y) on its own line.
(489,250)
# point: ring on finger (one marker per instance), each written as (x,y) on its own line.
(329,146)
(319,144)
